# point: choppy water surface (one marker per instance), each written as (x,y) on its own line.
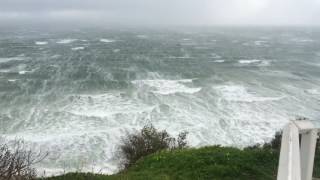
(76,93)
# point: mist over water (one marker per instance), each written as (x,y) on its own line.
(76,93)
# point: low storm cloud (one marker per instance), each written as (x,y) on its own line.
(167,12)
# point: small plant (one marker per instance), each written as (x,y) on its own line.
(275,143)
(16,163)
(149,140)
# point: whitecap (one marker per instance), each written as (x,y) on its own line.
(66,41)
(166,87)
(107,40)
(260,43)
(142,36)
(239,93)
(255,62)
(249,61)
(77,48)
(116,50)
(302,40)
(180,57)
(219,61)
(12,80)
(215,56)
(41,42)
(313,91)
(24,72)
(18,58)
(104,105)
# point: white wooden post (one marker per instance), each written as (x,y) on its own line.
(308,147)
(296,162)
(289,162)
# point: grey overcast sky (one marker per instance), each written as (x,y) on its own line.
(167,12)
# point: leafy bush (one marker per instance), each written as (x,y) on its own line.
(17,162)
(149,140)
(275,145)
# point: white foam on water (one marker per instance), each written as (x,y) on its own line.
(219,61)
(86,128)
(7,59)
(107,40)
(142,36)
(249,61)
(255,62)
(12,80)
(66,41)
(260,43)
(302,40)
(55,56)
(180,57)
(24,72)
(104,105)
(166,87)
(313,91)
(116,50)
(41,42)
(77,48)
(241,94)
(215,56)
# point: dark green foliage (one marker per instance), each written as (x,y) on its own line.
(205,163)
(316,169)
(215,162)
(275,142)
(149,140)
(275,145)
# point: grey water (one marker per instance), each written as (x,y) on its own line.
(76,93)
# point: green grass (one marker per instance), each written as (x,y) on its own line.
(204,163)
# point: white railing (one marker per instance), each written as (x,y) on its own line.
(297,158)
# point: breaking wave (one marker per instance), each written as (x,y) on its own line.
(78,100)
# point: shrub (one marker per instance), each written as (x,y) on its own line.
(275,145)
(149,140)
(17,162)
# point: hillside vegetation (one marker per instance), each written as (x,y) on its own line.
(213,162)
(205,163)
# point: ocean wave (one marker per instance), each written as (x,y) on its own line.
(41,42)
(219,61)
(240,93)
(66,41)
(116,50)
(7,59)
(180,57)
(166,87)
(256,62)
(142,36)
(107,40)
(215,56)
(302,40)
(249,61)
(24,72)
(313,91)
(104,105)
(260,43)
(77,48)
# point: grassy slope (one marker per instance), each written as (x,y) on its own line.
(205,163)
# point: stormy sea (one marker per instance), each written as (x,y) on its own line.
(76,93)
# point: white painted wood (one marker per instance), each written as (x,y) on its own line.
(289,163)
(296,162)
(307,152)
